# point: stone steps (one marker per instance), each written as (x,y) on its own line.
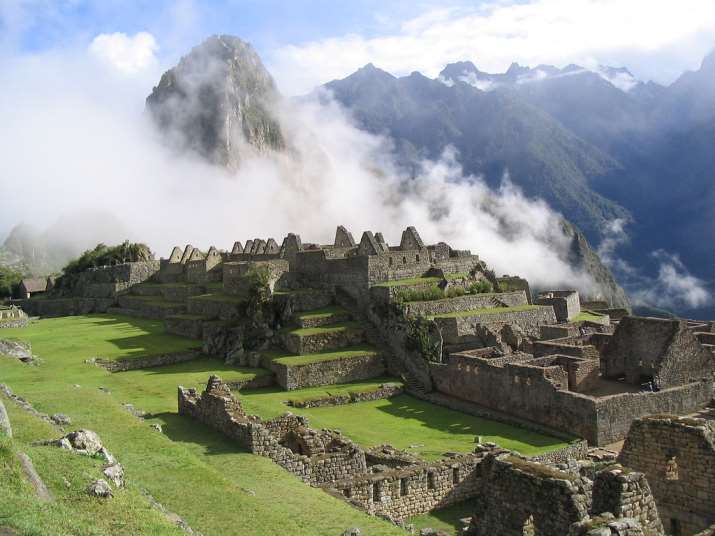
(323,339)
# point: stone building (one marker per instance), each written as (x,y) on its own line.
(34,286)
(677,456)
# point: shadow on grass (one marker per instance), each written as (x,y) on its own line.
(187,430)
(446,518)
(454,422)
(205,364)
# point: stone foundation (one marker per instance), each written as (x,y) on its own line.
(149,361)
(344,370)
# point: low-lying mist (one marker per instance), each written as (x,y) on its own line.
(76,141)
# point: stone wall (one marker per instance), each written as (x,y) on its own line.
(349,369)
(677,456)
(309,344)
(517,497)
(467,303)
(49,308)
(626,493)
(539,394)
(216,307)
(413,490)
(185,326)
(330,456)
(352,397)
(552,347)
(462,329)
(566,303)
(664,351)
(149,361)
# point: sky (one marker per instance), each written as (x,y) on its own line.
(308,42)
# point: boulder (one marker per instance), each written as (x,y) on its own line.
(115,474)
(85,441)
(61,419)
(16,350)
(100,488)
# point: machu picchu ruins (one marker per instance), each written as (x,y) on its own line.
(628,397)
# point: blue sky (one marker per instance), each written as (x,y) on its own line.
(308,42)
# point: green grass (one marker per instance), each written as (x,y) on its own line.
(588,315)
(409,282)
(67,476)
(219,297)
(291,360)
(401,421)
(446,519)
(325,312)
(194,471)
(488,311)
(343,326)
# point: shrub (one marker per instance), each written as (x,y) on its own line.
(103,255)
(422,294)
(481,287)
(419,340)
(9,281)
(455,292)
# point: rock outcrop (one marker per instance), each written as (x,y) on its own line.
(217,102)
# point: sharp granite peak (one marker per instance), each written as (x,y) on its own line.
(218,102)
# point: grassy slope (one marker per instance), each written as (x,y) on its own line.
(343,326)
(325,312)
(403,421)
(191,469)
(67,476)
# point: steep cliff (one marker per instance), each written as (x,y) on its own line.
(218,102)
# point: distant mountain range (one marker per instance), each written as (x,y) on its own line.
(597,145)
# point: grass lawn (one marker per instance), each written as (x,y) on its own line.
(343,326)
(328,355)
(408,282)
(194,471)
(488,311)
(219,297)
(588,315)
(67,476)
(325,312)
(402,421)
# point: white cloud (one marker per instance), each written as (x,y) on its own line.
(674,286)
(76,138)
(128,54)
(586,32)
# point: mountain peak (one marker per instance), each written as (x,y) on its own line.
(216,102)
(708,64)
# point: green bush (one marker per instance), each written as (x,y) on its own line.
(422,294)
(418,338)
(481,287)
(9,281)
(455,292)
(103,255)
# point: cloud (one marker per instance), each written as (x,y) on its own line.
(126,53)
(658,39)
(673,287)
(75,140)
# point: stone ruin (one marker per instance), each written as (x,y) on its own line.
(677,455)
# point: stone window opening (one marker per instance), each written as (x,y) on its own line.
(389,261)
(404,260)
(529,529)
(417,258)
(675,528)
(404,487)
(376,494)
(431,480)
(348,492)
(671,469)
(455,475)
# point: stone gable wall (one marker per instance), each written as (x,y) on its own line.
(677,456)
